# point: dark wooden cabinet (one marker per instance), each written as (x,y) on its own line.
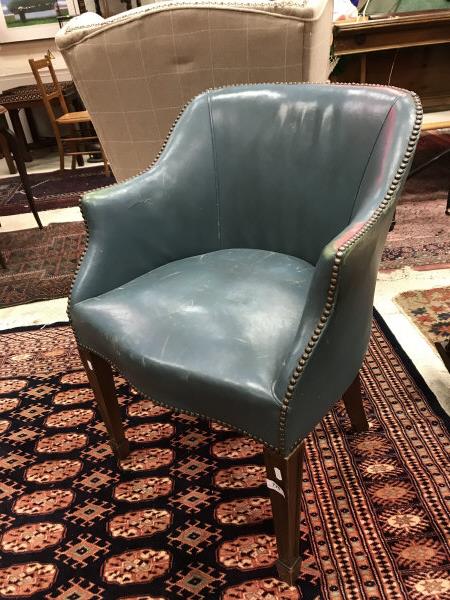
(410,50)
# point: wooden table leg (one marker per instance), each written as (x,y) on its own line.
(18,130)
(18,157)
(7,154)
(32,125)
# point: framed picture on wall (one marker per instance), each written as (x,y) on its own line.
(32,19)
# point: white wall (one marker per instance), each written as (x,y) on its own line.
(15,70)
(14,67)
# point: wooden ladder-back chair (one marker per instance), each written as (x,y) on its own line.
(67,146)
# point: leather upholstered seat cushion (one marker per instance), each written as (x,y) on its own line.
(213,328)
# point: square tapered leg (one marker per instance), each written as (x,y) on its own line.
(354,406)
(284,477)
(101,378)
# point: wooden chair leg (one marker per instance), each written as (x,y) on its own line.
(76,159)
(354,406)
(61,157)
(101,378)
(284,478)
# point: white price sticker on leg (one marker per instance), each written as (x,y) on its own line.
(274,486)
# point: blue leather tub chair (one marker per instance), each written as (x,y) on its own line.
(234,279)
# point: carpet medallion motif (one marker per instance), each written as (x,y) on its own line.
(187,514)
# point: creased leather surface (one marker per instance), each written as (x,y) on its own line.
(204,323)
(285,169)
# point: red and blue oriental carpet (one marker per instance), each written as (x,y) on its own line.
(187,515)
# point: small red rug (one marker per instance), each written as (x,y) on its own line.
(429,310)
(51,190)
(40,263)
(187,515)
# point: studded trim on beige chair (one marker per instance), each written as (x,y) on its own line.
(137,69)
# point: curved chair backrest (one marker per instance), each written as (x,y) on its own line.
(135,71)
(307,170)
(293,168)
(284,167)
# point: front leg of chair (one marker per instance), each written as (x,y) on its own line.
(354,406)
(101,378)
(284,478)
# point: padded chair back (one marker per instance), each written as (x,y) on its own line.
(279,168)
(137,70)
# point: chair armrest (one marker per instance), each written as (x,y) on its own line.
(335,328)
(137,226)
(164,214)
(167,213)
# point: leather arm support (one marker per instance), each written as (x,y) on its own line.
(137,226)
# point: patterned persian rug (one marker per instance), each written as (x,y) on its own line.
(40,263)
(429,310)
(50,190)
(187,515)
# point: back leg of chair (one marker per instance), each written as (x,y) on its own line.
(73,147)
(101,378)
(78,159)
(61,152)
(354,406)
(284,478)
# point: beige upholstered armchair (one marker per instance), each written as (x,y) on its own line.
(136,71)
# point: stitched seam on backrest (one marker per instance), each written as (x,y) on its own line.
(350,218)
(216,173)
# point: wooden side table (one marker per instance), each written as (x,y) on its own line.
(26,97)
(409,50)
